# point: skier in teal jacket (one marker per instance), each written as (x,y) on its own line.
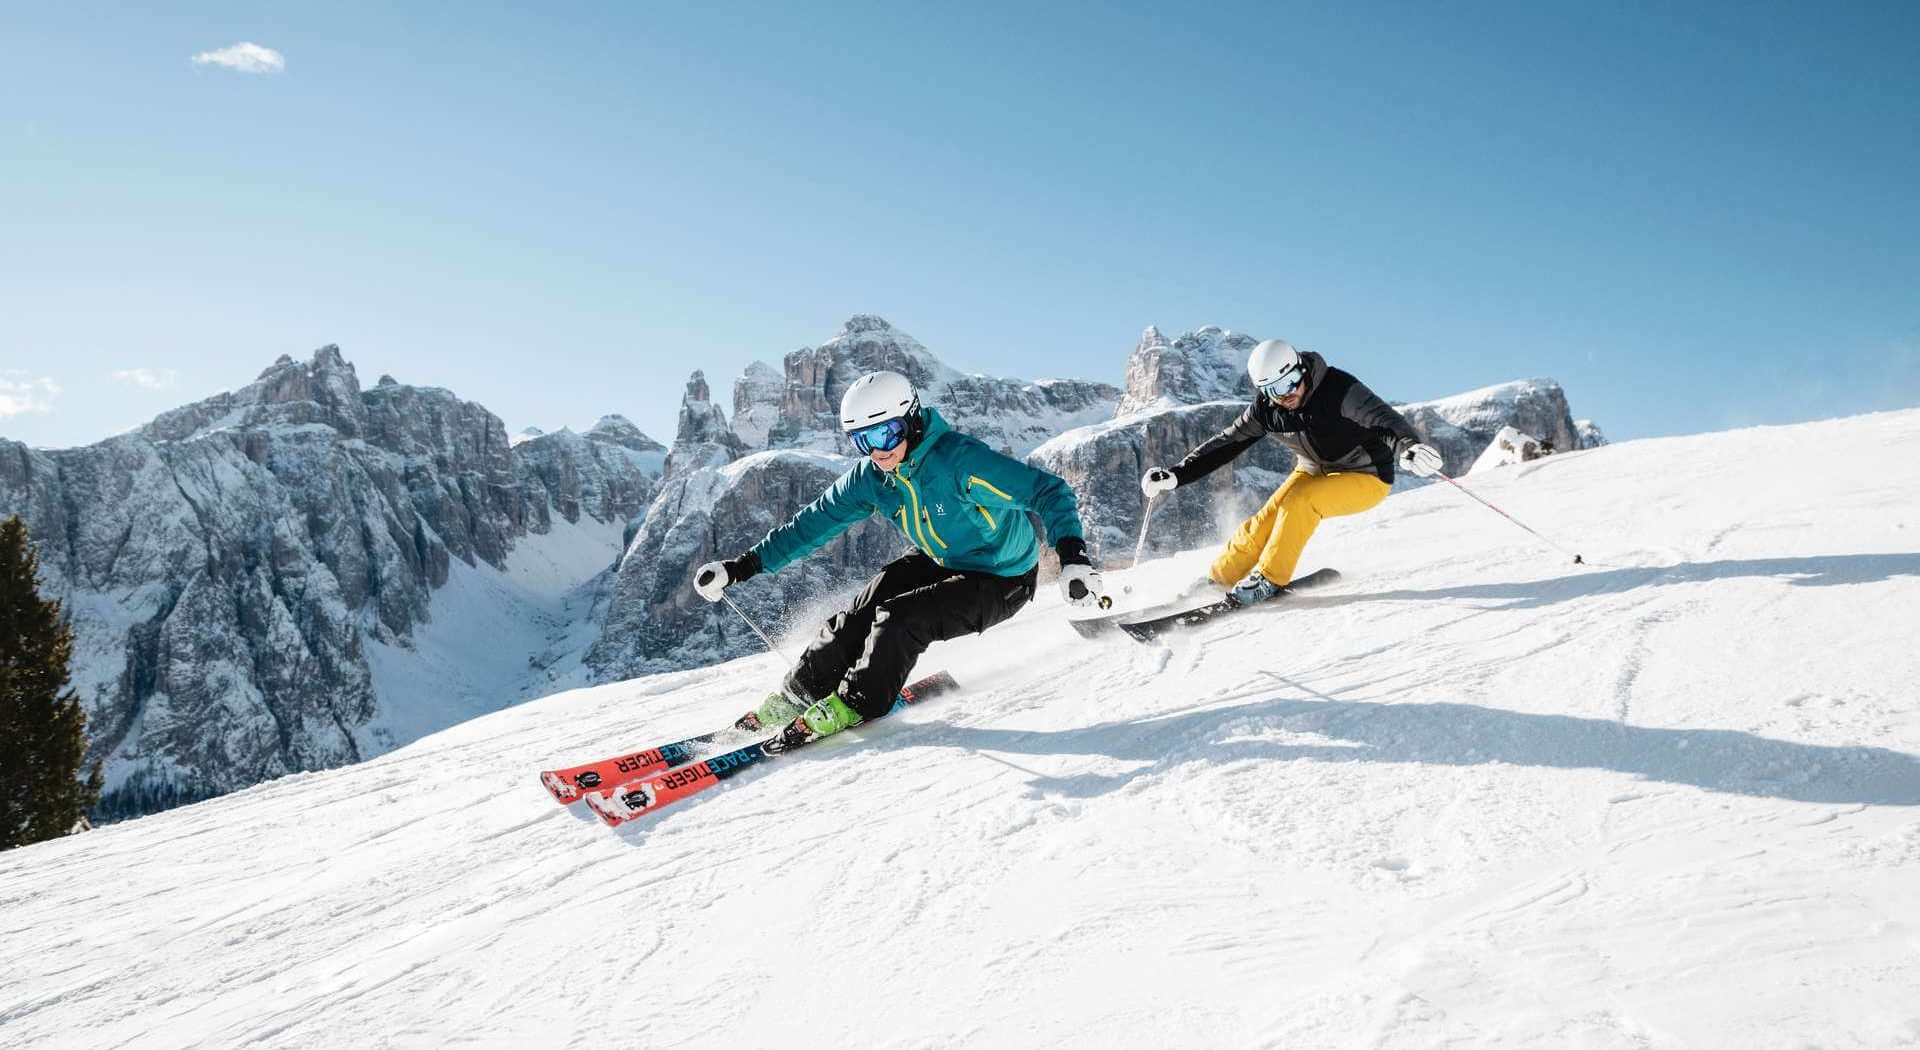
(964,508)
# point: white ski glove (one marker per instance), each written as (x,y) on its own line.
(1423,460)
(1158,480)
(1081,584)
(716,576)
(711,579)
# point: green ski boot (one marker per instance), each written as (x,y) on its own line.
(825,718)
(778,710)
(830,716)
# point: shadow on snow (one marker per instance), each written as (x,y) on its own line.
(1822,571)
(1454,734)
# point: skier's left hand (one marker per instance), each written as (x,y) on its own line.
(1081,584)
(1420,459)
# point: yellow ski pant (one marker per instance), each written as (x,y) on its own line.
(1273,538)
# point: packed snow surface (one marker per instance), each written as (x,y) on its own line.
(1472,796)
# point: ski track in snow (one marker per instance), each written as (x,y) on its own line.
(1471,796)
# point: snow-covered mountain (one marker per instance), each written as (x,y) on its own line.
(240,571)
(1462,426)
(1201,366)
(1473,796)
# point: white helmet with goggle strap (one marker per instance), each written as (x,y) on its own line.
(880,411)
(1277,368)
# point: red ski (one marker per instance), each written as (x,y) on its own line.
(643,795)
(572,785)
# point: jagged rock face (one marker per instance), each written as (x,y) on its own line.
(223,565)
(816,379)
(619,430)
(1462,426)
(1202,366)
(703,438)
(326,392)
(756,404)
(1590,433)
(656,622)
(1016,418)
(606,474)
(213,645)
(470,496)
(1104,463)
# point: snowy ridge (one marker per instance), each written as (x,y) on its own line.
(1474,796)
(1462,426)
(238,567)
(741,467)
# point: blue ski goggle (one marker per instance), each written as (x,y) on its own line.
(1288,382)
(880,437)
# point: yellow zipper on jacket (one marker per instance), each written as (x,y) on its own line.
(983,513)
(975,479)
(928,518)
(915,493)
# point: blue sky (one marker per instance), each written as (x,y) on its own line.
(1695,216)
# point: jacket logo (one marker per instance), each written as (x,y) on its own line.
(940,509)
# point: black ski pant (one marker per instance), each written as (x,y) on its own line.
(865,652)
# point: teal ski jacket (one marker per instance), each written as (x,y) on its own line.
(957,500)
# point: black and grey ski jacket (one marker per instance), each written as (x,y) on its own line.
(1341,427)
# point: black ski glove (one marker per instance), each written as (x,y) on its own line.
(1072,551)
(743,568)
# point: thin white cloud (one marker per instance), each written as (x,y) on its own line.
(147,378)
(19,396)
(244,58)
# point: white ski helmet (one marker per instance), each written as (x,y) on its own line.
(879,397)
(1275,361)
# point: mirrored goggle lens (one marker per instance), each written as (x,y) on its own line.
(880,437)
(1286,384)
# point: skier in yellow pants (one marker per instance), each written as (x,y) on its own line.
(1270,542)
(1346,442)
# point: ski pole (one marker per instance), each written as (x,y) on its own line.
(1140,547)
(744,618)
(1577,560)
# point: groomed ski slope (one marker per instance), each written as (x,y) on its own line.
(1473,796)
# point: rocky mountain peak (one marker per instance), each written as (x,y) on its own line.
(255,543)
(702,437)
(756,403)
(1208,364)
(1462,426)
(323,390)
(619,430)
(1150,339)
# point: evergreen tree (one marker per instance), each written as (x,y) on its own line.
(45,784)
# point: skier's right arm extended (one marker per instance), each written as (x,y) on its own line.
(842,506)
(1216,452)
